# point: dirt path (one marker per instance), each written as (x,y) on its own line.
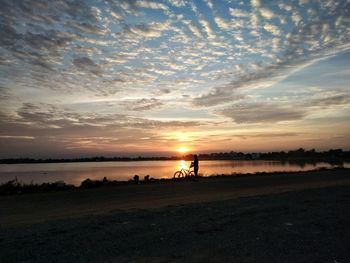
(41,207)
(309,225)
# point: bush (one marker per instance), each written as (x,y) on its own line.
(16,187)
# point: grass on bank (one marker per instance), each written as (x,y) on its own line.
(16,186)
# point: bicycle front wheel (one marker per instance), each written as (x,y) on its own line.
(191,174)
(178,174)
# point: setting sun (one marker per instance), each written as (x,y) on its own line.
(182,150)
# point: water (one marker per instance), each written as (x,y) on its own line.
(74,173)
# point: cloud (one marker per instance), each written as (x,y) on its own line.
(178,3)
(37,36)
(44,130)
(142,55)
(246,111)
(263,77)
(238,12)
(330,99)
(56,117)
(261,113)
(144,104)
(17,137)
(195,31)
(268,135)
(152,30)
(207,28)
(303,2)
(274,30)
(296,18)
(4,93)
(151,5)
(210,4)
(285,6)
(85,63)
(255,3)
(86,27)
(302,47)
(222,23)
(217,96)
(266,13)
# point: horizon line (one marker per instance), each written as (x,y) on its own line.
(140,156)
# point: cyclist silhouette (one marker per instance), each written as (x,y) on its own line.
(195,165)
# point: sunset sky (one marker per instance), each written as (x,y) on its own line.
(117,78)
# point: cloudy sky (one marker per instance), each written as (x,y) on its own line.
(125,77)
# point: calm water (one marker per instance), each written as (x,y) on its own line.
(74,173)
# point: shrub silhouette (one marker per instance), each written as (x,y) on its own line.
(17,187)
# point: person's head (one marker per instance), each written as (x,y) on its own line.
(195,157)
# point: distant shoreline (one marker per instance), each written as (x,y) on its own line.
(294,161)
(296,156)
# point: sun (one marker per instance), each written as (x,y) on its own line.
(183,150)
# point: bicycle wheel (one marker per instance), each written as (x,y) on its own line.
(190,174)
(178,174)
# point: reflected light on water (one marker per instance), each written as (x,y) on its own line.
(75,173)
(183,165)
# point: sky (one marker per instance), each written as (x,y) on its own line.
(154,78)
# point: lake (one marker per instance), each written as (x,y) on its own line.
(74,173)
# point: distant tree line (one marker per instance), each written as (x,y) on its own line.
(85,159)
(281,155)
(299,155)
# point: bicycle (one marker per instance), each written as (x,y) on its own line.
(183,173)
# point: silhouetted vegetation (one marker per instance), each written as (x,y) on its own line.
(290,156)
(17,187)
(298,156)
(88,183)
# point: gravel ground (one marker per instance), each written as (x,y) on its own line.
(301,226)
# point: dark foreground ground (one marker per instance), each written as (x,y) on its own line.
(309,224)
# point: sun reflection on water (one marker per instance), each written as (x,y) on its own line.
(183,165)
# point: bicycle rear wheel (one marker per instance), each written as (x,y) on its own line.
(178,174)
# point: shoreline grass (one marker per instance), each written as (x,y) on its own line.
(18,187)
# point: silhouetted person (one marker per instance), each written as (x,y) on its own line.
(195,165)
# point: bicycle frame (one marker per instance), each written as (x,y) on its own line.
(184,173)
